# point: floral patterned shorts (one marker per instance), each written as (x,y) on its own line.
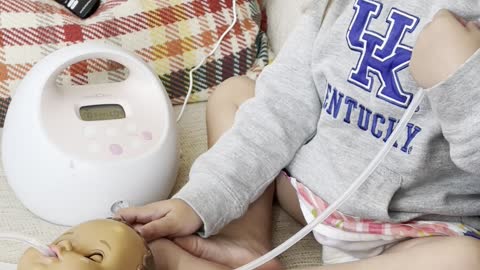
(346,238)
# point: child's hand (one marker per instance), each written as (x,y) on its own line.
(169,218)
(442,47)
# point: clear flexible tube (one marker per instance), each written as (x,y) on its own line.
(44,249)
(352,189)
(190,87)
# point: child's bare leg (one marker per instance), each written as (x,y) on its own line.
(167,256)
(436,253)
(223,105)
(250,236)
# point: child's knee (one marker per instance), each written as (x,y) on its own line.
(233,91)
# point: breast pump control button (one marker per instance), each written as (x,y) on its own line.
(116,149)
(147,135)
(89,132)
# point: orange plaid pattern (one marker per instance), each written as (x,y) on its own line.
(171,36)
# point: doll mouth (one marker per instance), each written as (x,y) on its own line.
(46,259)
(55,252)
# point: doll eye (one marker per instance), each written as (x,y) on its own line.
(96,257)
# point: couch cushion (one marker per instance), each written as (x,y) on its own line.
(282,16)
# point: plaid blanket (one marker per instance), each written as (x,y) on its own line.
(170,35)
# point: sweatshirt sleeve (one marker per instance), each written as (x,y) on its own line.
(456,103)
(267,132)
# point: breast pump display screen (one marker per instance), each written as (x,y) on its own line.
(102,112)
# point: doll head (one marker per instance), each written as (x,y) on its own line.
(95,245)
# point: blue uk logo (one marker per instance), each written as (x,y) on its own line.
(381,56)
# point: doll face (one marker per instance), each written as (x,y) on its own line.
(94,245)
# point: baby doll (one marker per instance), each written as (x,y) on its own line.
(99,244)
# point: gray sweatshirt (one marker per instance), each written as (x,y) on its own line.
(327,105)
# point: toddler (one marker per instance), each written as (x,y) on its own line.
(321,112)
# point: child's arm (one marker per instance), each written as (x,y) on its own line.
(268,131)
(446,59)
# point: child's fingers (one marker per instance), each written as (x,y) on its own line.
(158,228)
(134,215)
(137,227)
(143,214)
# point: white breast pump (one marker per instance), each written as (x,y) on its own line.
(158,156)
(72,153)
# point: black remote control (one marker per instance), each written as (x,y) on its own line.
(81,8)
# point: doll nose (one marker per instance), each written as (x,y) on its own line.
(66,245)
(60,248)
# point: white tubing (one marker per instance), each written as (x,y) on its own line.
(190,87)
(353,188)
(44,249)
